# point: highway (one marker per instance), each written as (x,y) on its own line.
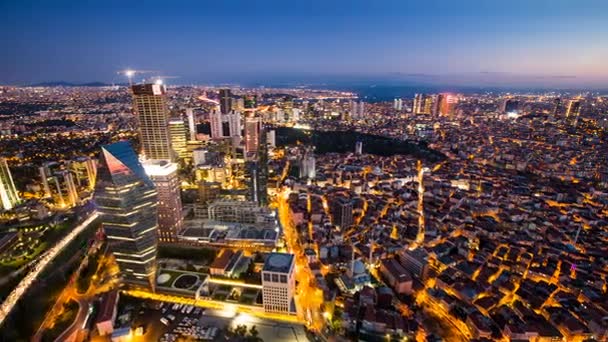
(45,259)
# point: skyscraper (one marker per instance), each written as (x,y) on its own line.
(177,132)
(447,104)
(278,283)
(126,200)
(418,102)
(58,184)
(398,104)
(225,101)
(8,193)
(509,106)
(191,124)
(84,170)
(150,104)
(164,176)
(359,148)
(423,104)
(574,108)
(225,125)
(556,106)
(308,165)
(253,126)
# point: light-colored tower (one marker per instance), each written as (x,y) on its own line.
(150,105)
(170,219)
(191,124)
(278,283)
(359,148)
(177,132)
(126,200)
(215,119)
(8,193)
(271,138)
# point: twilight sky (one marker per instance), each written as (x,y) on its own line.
(561,43)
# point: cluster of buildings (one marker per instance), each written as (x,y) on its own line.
(504,236)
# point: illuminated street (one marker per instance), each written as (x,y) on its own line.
(48,256)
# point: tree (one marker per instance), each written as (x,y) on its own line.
(253,331)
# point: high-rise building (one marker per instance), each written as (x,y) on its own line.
(418,101)
(556,106)
(258,182)
(398,104)
(509,106)
(225,125)
(177,132)
(423,104)
(359,148)
(342,212)
(447,104)
(271,138)
(84,170)
(253,126)
(278,283)
(357,109)
(191,124)
(166,181)
(150,104)
(58,184)
(225,101)
(308,165)
(126,200)
(437,104)
(574,108)
(8,193)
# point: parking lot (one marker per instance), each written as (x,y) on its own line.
(167,322)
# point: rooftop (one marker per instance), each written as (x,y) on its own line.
(279,262)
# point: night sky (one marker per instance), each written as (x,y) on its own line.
(516,42)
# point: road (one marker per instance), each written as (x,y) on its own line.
(45,259)
(308,297)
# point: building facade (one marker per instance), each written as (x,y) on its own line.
(126,200)
(278,283)
(152,112)
(170,218)
(177,132)
(8,193)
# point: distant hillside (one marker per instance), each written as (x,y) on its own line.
(70,84)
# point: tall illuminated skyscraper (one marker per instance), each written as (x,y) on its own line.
(8,193)
(164,176)
(126,200)
(447,104)
(150,104)
(253,126)
(177,132)
(423,104)
(574,108)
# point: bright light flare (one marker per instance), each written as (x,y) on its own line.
(129,73)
